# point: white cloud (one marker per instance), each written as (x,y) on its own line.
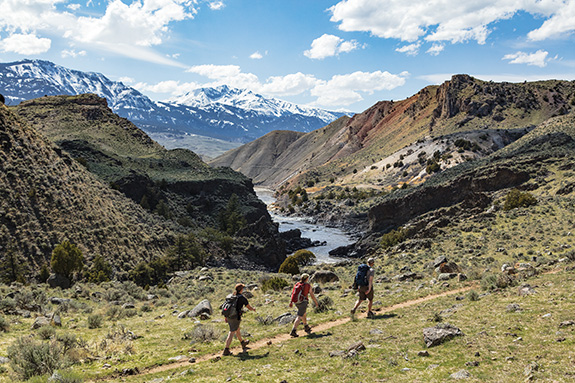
(448,20)
(343,90)
(538,58)
(73,7)
(126,80)
(329,45)
(216,5)
(410,50)
(72,53)
(25,44)
(561,23)
(289,85)
(436,49)
(256,56)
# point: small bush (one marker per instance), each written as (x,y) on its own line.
(29,357)
(473,296)
(304,257)
(274,283)
(325,303)
(267,321)
(46,332)
(437,318)
(489,282)
(289,266)
(203,333)
(393,238)
(94,321)
(515,199)
(4,326)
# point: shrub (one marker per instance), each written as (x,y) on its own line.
(4,325)
(325,303)
(515,199)
(46,332)
(393,238)
(101,271)
(473,296)
(29,357)
(203,333)
(66,258)
(489,281)
(274,283)
(94,321)
(304,257)
(289,266)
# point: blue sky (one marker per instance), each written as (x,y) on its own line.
(338,55)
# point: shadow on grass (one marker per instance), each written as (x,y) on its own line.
(314,335)
(384,316)
(246,356)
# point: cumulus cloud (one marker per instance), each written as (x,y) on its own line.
(216,5)
(72,53)
(256,56)
(343,90)
(143,24)
(329,45)
(436,49)
(25,44)
(410,50)
(448,20)
(289,85)
(538,58)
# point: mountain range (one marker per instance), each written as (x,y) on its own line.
(222,113)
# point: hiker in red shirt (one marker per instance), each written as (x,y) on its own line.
(299,297)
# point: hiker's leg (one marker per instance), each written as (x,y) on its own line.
(296,322)
(369,304)
(239,335)
(357,304)
(229,340)
(304,319)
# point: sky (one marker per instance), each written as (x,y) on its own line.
(338,55)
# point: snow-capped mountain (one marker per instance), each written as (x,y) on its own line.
(222,112)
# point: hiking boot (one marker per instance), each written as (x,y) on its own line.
(370,314)
(226,352)
(352,311)
(245,343)
(307,329)
(294,334)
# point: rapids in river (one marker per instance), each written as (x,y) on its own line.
(333,237)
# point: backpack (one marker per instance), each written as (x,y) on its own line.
(299,292)
(229,307)
(361,275)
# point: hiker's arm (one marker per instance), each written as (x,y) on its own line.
(313,297)
(370,284)
(250,307)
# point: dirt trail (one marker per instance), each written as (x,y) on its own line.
(285,337)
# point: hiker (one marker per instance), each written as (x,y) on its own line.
(364,282)
(299,296)
(234,320)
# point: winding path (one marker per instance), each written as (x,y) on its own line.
(286,337)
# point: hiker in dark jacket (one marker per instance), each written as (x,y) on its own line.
(299,296)
(234,323)
(366,291)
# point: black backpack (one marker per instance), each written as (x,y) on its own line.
(229,307)
(361,275)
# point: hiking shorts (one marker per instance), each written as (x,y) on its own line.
(234,324)
(363,296)
(301,308)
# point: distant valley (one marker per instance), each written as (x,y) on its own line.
(229,116)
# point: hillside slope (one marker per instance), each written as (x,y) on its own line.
(175,184)
(463,104)
(46,196)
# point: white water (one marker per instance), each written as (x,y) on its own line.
(332,236)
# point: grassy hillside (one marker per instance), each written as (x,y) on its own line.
(174,184)
(47,197)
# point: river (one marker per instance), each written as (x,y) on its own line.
(333,237)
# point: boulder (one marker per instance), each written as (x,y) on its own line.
(127,306)
(183,314)
(461,374)
(324,276)
(513,307)
(449,267)
(526,289)
(59,301)
(439,260)
(58,280)
(40,322)
(285,318)
(202,307)
(446,276)
(56,320)
(434,336)
(357,346)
